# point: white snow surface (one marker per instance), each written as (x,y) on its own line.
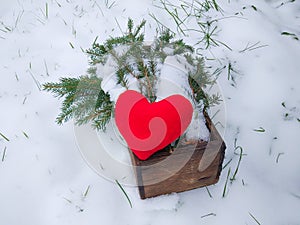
(43,178)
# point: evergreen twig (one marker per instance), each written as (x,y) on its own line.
(85,101)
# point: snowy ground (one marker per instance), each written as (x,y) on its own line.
(43,178)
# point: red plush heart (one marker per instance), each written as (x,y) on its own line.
(149,127)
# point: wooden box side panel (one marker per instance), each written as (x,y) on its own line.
(189,177)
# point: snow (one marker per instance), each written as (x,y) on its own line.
(43,178)
(172,79)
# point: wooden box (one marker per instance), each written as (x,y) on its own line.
(160,175)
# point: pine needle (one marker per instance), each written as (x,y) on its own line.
(86,192)
(59,5)
(47,13)
(2,135)
(210,214)
(68,200)
(208,192)
(227,164)
(279,154)
(4,153)
(260,129)
(16,75)
(24,100)
(37,83)
(46,67)
(294,36)
(216,6)
(122,189)
(295,195)
(25,135)
(109,5)
(72,46)
(254,219)
(254,7)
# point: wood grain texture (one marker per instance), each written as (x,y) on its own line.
(188,166)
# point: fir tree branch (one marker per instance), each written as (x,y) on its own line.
(99,52)
(84,100)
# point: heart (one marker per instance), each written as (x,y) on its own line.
(149,127)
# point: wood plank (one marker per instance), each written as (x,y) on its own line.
(182,169)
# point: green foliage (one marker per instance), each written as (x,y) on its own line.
(166,40)
(197,11)
(84,100)
(99,52)
(199,80)
(147,79)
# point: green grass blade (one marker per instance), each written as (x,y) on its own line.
(225,186)
(124,192)
(210,195)
(239,162)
